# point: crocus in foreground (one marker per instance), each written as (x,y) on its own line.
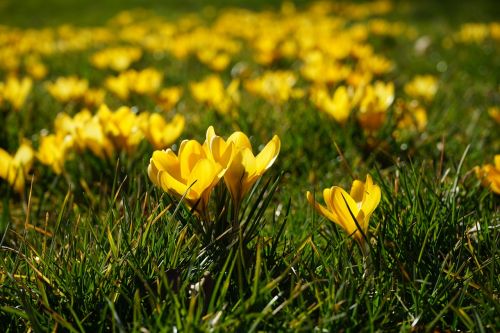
(190,174)
(342,207)
(243,167)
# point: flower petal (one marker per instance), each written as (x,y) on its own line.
(268,155)
(321,209)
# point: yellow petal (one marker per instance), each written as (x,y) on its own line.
(346,208)
(357,190)
(268,155)
(210,133)
(240,140)
(234,176)
(371,199)
(190,153)
(221,151)
(25,156)
(320,208)
(6,162)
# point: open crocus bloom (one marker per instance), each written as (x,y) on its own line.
(341,206)
(243,167)
(190,173)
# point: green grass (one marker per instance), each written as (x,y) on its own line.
(111,252)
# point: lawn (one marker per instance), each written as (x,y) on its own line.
(249,166)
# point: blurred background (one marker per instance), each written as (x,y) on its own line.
(34,13)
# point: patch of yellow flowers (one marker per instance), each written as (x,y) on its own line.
(101,133)
(196,169)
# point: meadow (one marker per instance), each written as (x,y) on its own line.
(249,166)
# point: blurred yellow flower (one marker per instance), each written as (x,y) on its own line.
(167,98)
(160,133)
(14,169)
(338,106)
(422,86)
(275,87)
(121,126)
(494,113)
(116,58)
(490,175)
(53,151)
(374,104)
(144,82)
(217,61)
(410,117)
(321,69)
(15,91)
(84,131)
(67,89)
(94,97)
(35,67)
(350,210)
(211,91)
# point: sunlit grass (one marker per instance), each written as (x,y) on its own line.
(93,241)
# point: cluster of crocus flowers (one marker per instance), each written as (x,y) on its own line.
(351,211)
(14,91)
(105,132)
(14,169)
(478,32)
(489,175)
(197,168)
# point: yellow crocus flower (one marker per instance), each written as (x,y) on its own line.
(494,112)
(341,206)
(15,91)
(53,151)
(84,131)
(190,174)
(243,167)
(116,58)
(422,86)
(276,87)
(168,97)
(14,169)
(489,175)
(211,91)
(376,100)
(66,89)
(338,106)
(160,133)
(121,126)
